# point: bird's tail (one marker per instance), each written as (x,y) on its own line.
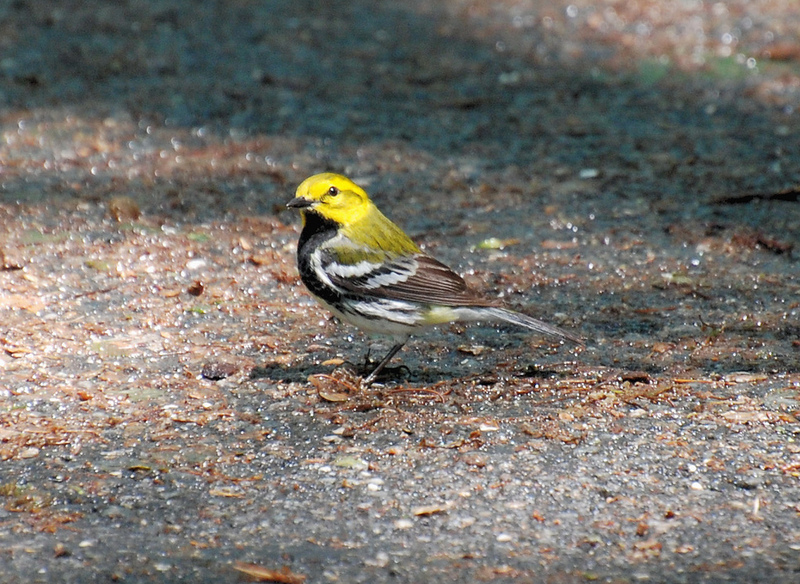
(523,320)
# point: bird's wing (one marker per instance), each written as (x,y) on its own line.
(415,278)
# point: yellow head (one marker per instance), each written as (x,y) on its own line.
(343,203)
(333,196)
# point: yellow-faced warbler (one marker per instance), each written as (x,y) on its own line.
(368,272)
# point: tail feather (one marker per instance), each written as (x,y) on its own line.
(523,320)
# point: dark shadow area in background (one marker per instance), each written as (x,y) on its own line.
(349,73)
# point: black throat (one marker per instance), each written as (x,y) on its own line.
(316,231)
(316,228)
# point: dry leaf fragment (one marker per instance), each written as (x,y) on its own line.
(743,377)
(7,434)
(746,417)
(649,545)
(17,352)
(123,208)
(332,396)
(22,301)
(260,259)
(262,574)
(787,50)
(319,380)
(425,510)
(636,377)
(471,349)
(659,347)
(475,459)
(9,262)
(226,492)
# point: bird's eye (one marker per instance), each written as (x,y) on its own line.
(333,191)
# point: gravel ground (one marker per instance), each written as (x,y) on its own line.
(175,408)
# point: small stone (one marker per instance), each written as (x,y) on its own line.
(749,481)
(475,459)
(195,264)
(196,289)
(381,560)
(216,370)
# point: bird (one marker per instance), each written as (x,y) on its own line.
(364,269)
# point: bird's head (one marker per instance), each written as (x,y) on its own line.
(333,196)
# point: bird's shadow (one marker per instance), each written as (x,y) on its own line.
(299,373)
(281,373)
(415,373)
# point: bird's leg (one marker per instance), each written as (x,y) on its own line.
(392,352)
(367,361)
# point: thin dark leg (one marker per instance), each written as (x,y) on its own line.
(392,352)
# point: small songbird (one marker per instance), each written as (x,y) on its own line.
(368,272)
